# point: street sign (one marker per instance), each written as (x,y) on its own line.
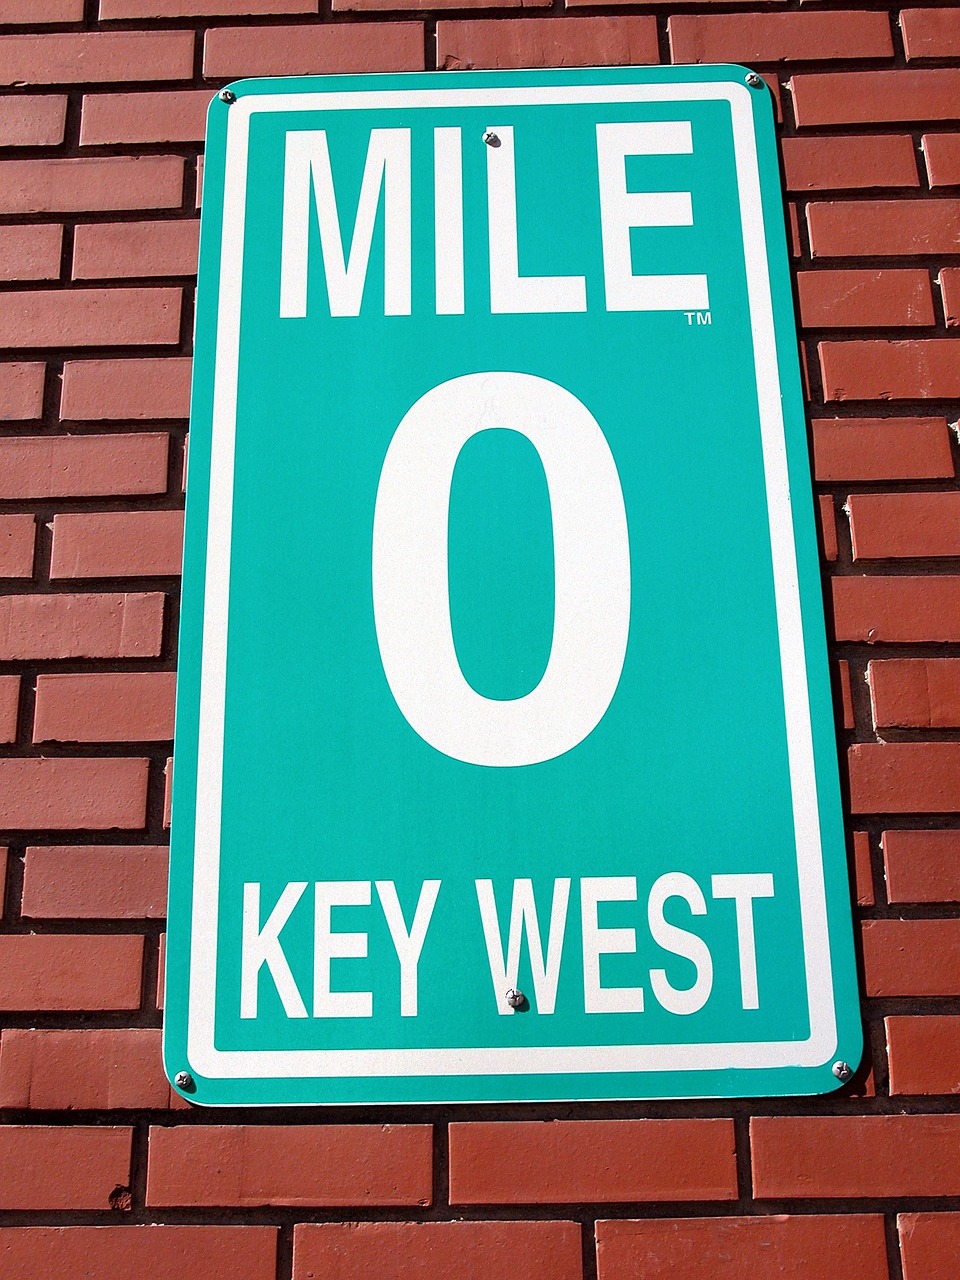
(505,756)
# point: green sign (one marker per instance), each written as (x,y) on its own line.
(505,759)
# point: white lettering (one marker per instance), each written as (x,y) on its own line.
(681,942)
(448,220)
(408,946)
(743,889)
(329,946)
(411,598)
(523,915)
(509,291)
(597,942)
(620,210)
(261,947)
(387,168)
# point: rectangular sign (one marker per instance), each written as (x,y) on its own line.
(505,756)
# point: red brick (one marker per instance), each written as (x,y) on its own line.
(65,972)
(942,154)
(98,390)
(547,42)
(132,706)
(340,6)
(924,1056)
(83,466)
(87,57)
(36,11)
(428,1250)
(117,544)
(95,882)
(110,182)
(32,120)
(929,1245)
(9,703)
(30,253)
(876,97)
(179,116)
(346,48)
(881,449)
(898,610)
(18,535)
(763,1248)
(62,794)
(865,299)
(81,626)
(116,1069)
(213,1252)
(121,250)
(876,228)
(912,958)
(889,525)
(855,1157)
(922,866)
(846,693)
(89,317)
(844,164)
(880,370)
(779,37)
(904,777)
(863,869)
(21,391)
(304,1165)
(570,1161)
(828,527)
(652,4)
(796,248)
(949,282)
(916,693)
(772,81)
(56,1167)
(201,8)
(931,33)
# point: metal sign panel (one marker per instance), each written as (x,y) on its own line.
(505,758)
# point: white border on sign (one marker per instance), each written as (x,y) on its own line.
(202,1053)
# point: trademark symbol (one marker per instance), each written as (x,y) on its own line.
(698,317)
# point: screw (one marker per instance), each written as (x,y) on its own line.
(515,999)
(753,80)
(491,139)
(227,96)
(184,1080)
(842,1071)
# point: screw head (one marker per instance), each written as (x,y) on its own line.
(227,96)
(184,1080)
(515,999)
(491,139)
(842,1071)
(753,80)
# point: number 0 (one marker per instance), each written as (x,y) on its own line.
(411,597)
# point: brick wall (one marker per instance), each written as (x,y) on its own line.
(101,122)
